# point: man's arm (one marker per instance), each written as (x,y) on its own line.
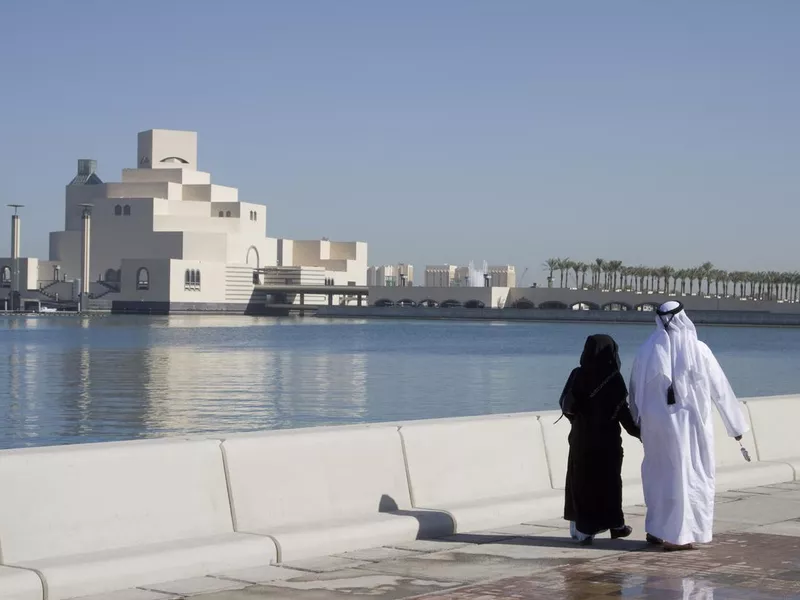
(729,407)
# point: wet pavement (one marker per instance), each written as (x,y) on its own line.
(755,556)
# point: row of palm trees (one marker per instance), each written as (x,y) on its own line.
(707,279)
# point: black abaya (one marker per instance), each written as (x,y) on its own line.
(593,497)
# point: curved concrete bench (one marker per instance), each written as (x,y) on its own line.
(17,584)
(325,490)
(775,422)
(101,517)
(485,472)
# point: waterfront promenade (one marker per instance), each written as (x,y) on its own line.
(755,556)
(393,509)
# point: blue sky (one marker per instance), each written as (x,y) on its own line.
(437,131)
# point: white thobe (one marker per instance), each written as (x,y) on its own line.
(678,469)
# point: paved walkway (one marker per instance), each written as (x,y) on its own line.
(755,556)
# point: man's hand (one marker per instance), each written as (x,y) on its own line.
(738,438)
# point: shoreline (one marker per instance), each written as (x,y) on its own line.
(699,317)
(710,318)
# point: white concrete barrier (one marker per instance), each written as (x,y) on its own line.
(775,424)
(733,472)
(485,472)
(17,584)
(325,490)
(557,446)
(100,517)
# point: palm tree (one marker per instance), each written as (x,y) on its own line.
(597,270)
(626,273)
(551,264)
(563,268)
(576,267)
(734,277)
(760,278)
(584,268)
(692,274)
(666,272)
(703,273)
(614,266)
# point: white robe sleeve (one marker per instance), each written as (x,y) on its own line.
(729,407)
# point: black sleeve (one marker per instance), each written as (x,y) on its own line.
(626,420)
(567,401)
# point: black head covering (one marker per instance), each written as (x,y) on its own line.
(600,354)
(598,380)
(600,365)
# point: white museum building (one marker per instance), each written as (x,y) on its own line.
(167,239)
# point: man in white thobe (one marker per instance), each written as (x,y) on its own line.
(674,381)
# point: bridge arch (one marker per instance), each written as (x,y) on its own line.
(408,302)
(384,303)
(429,303)
(647,306)
(553,305)
(523,303)
(474,304)
(617,306)
(585,305)
(451,304)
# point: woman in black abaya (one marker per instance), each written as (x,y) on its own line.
(595,402)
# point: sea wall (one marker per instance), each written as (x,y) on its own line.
(702,317)
(93,518)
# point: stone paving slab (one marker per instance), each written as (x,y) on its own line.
(324,564)
(755,556)
(377,554)
(343,584)
(741,566)
(197,585)
(132,594)
(265,574)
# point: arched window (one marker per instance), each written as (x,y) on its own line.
(191,280)
(227,213)
(143,279)
(252,255)
(117,210)
(221,214)
(5,277)
(127,210)
(255,216)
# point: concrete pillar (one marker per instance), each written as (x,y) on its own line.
(15,245)
(14,236)
(86,249)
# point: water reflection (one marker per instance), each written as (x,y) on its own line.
(89,379)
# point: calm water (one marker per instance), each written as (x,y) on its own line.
(68,379)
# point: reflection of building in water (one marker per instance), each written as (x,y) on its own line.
(20,410)
(231,388)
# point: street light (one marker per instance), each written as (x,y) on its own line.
(15,255)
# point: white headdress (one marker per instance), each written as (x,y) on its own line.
(672,351)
